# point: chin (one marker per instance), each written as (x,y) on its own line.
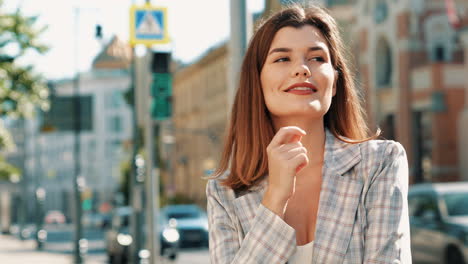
(314,113)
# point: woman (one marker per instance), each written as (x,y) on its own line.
(300,180)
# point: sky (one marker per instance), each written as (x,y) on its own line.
(194,27)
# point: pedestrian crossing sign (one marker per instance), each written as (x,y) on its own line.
(148,25)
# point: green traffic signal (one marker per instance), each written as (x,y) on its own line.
(161,91)
(87,204)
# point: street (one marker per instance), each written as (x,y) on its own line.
(59,249)
(193,256)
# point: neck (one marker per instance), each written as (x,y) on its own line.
(313,141)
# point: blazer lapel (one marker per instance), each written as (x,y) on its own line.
(247,204)
(339,200)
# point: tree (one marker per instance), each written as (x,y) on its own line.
(21,89)
(8,172)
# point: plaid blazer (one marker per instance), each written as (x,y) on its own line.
(362,215)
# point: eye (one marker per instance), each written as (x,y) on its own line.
(319,58)
(282,59)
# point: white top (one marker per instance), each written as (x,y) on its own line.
(303,254)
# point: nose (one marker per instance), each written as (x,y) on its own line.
(301,71)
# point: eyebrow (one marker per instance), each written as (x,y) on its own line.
(315,48)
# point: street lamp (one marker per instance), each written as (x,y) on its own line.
(80,244)
(78,255)
(41,234)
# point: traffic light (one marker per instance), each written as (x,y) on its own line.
(161,88)
(87,199)
(98,31)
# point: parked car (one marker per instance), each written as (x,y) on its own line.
(118,237)
(93,220)
(191,222)
(439,222)
(54,217)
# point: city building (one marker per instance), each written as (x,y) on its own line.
(199,120)
(46,144)
(412,69)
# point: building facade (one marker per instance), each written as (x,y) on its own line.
(412,70)
(200,116)
(47,157)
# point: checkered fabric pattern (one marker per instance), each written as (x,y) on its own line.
(362,215)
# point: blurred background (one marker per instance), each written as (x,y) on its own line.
(111,118)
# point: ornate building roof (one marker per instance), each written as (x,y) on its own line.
(116,55)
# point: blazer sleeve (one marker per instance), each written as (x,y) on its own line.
(270,239)
(387,236)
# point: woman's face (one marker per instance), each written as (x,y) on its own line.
(298,77)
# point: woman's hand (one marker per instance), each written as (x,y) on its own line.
(286,157)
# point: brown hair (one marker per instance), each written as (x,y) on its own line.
(251,128)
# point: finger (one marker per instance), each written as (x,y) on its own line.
(298,169)
(299,161)
(289,146)
(295,138)
(286,135)
(294,152)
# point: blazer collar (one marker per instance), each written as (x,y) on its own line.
(339,157)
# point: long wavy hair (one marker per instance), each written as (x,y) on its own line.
(251,129)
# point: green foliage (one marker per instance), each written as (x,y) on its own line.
(8,172)
(6,140)
(124,183)
(21,89)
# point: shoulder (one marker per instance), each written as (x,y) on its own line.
(380,154)
(215,189)
(384,149)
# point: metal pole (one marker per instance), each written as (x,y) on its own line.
(152,194)
(241,28)
(40,193)
(25,186)
(135,181)
(152,184)
(77,181)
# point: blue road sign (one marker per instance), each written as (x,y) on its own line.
(148,25)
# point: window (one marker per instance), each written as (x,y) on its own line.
(439,36)
(331,3)
(384,64)
(380,12)
(423,207)
(388,127)
(114,124)
(457,204)
(288,2)
(113,147)
(439,53)
(113,100)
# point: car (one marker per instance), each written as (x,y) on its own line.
(54,217)
(439,222)
(191,222)
(93,220)
(118,237)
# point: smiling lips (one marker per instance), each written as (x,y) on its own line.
(301,89)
